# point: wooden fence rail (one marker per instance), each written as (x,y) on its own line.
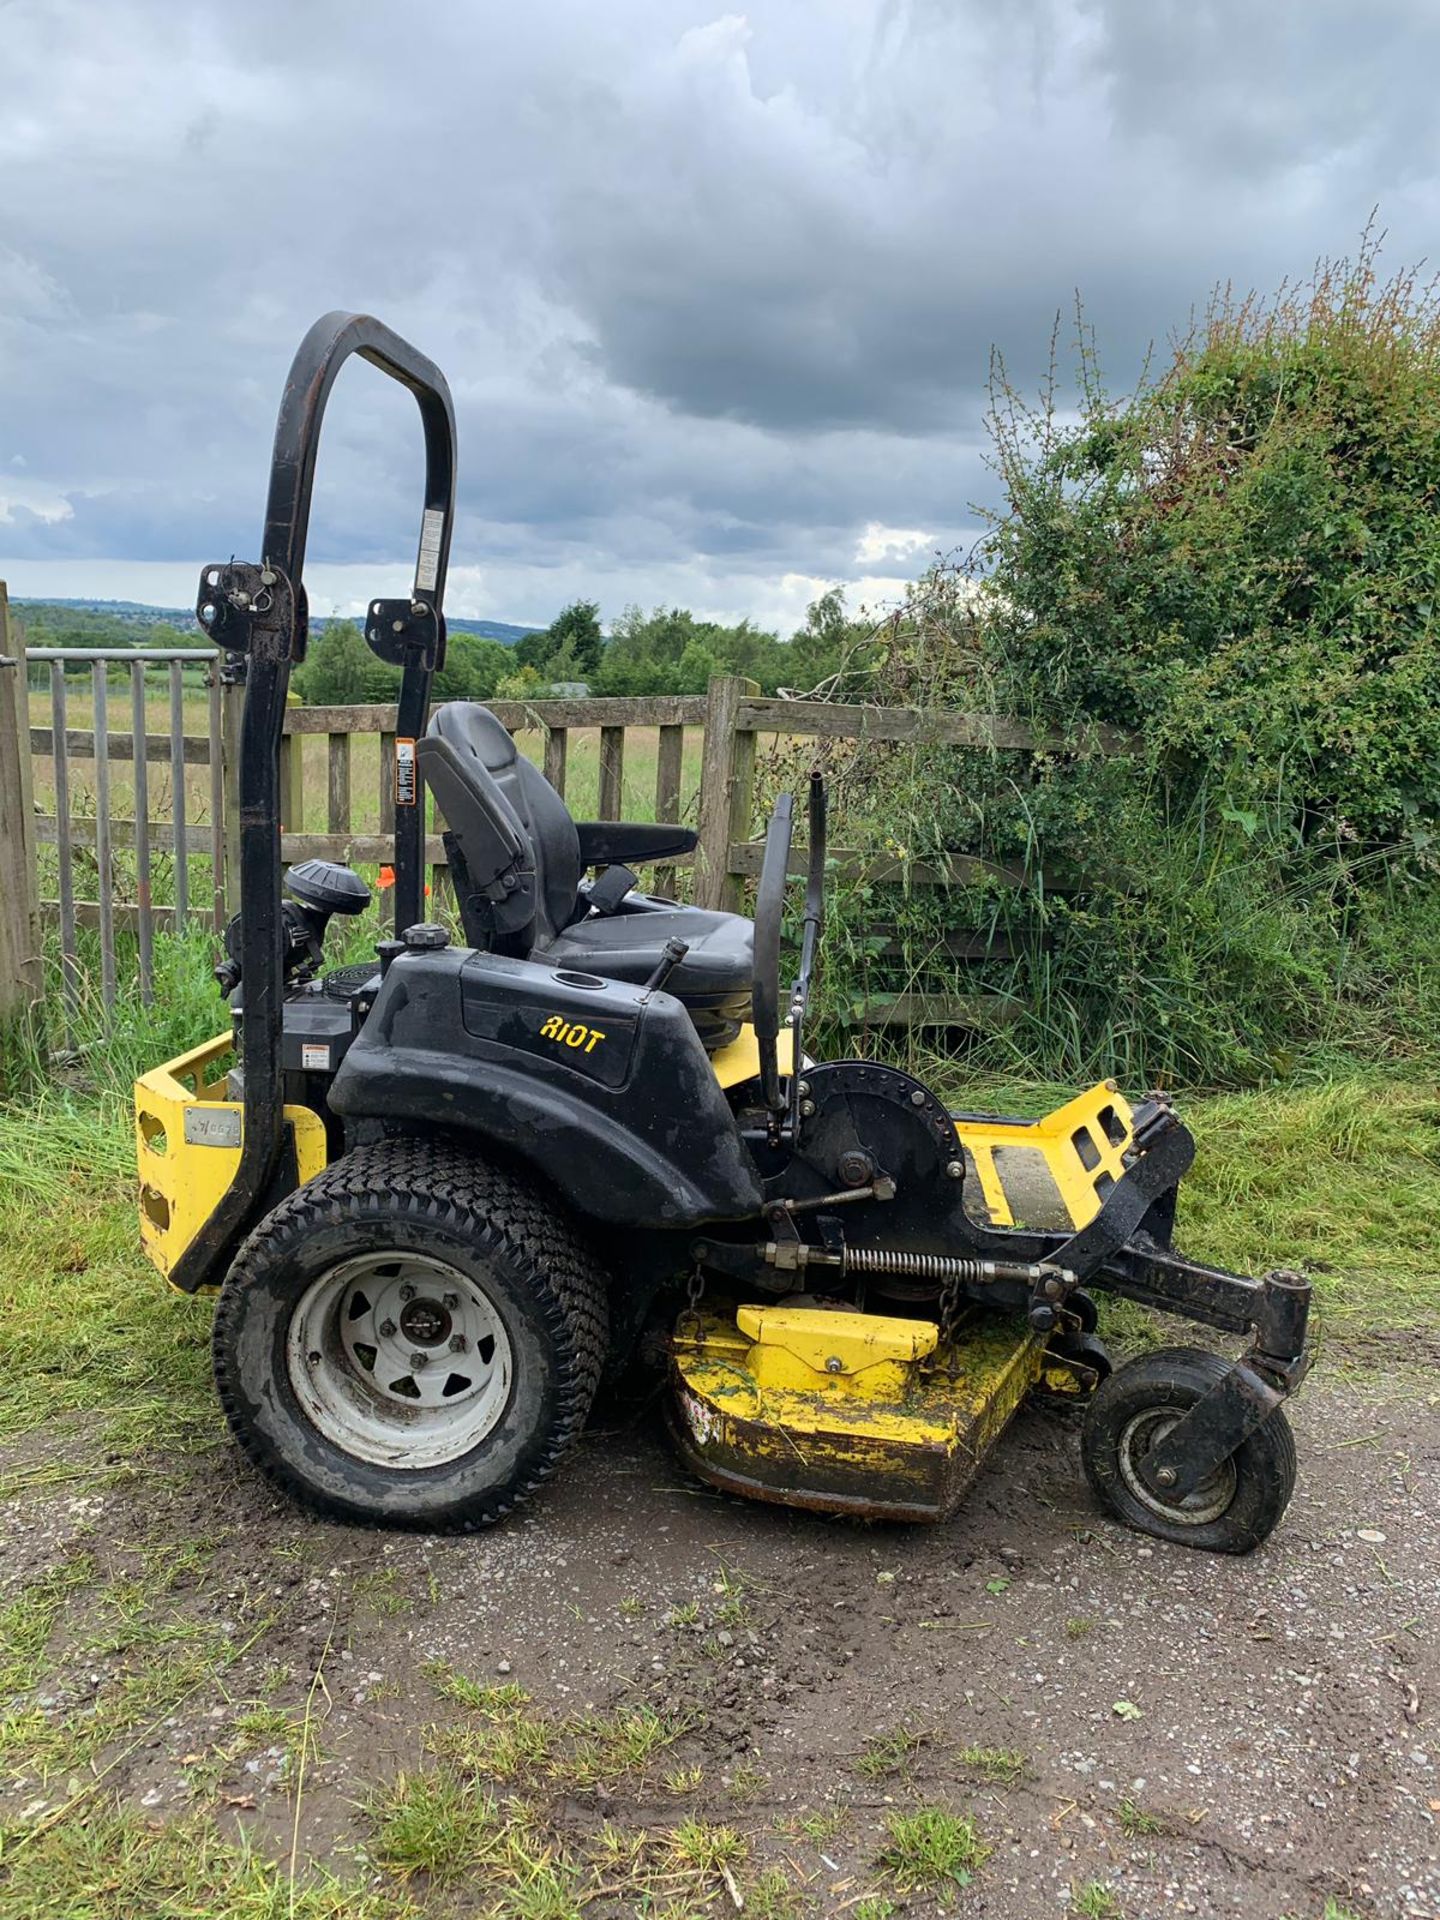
(337,800)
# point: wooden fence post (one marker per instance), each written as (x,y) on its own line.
(21,974)
(727,792)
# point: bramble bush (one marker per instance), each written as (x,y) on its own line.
(1237,567)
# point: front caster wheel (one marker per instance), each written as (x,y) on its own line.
(412,1339)
(1235,1507)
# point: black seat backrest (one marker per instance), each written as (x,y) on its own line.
(505,817)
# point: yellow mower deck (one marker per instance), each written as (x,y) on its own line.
(846,1412)
(850,1412)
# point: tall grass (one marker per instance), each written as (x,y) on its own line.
(108,1049)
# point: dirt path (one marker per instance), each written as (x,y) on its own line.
(1279,1747)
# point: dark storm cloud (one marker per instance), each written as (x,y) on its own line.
(715,294)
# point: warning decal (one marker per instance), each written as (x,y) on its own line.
(427,567)
(404,773)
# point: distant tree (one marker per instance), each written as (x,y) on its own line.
(695,667)
(576,634)
(473,669)
(535,651)
(522,684)
(339,669)
(669,651)
(831,651)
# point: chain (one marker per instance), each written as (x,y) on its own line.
(947,1315)
(694,1292)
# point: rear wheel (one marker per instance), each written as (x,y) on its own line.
(1235,1507)
(412,1339)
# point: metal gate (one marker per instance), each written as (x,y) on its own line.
(119,849)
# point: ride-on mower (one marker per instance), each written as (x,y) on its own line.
(445,1191)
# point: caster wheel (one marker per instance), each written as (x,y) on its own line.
(1235,1507)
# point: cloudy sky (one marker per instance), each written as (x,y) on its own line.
(716,291)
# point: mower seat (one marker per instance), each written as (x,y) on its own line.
(518,861)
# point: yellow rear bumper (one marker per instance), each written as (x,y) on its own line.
(187,1145)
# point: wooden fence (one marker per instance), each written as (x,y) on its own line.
(705,751)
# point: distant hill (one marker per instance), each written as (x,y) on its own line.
(131,613)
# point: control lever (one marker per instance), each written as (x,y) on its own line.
(675,952)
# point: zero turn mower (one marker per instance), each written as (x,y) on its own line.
(443,1192)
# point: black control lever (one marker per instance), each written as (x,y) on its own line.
(675,952)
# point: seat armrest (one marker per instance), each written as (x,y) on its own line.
(605,843)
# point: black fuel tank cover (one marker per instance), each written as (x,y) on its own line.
(328,885)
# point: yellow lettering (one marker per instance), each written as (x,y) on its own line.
(583,1039)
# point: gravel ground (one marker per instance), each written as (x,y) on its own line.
(1270,1721)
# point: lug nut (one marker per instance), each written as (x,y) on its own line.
(955,1169)
(407,1292)
(1165,1476)
(387,1327)
(418,1360)
(458,1343)
(450,1302)
(917,1098)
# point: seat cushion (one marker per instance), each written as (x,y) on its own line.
(713,981)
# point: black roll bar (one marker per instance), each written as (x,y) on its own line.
(259,614)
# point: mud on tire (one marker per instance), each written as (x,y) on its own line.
(518,1266)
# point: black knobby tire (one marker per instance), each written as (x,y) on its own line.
(509,1246)
(1236,1507)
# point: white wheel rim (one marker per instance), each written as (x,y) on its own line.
(399,1359)
(1204,1503)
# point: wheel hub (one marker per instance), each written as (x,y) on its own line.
(400,1359)
(426,1322)
(1204,1503)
